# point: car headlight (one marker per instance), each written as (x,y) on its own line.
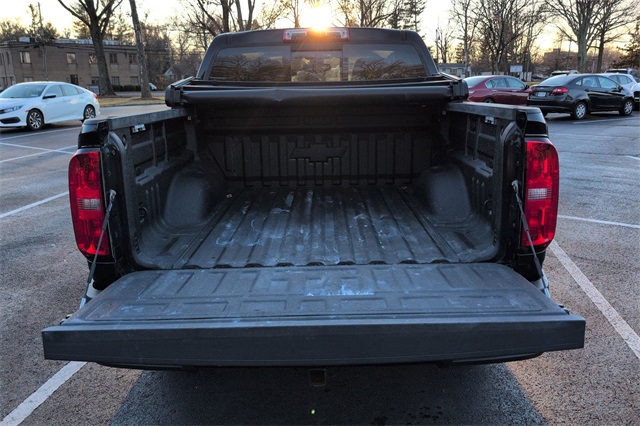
(10,109)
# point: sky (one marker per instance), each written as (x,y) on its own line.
(435,13)
(54,12)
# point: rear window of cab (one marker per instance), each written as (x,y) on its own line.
(351,62)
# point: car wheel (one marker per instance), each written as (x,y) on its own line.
(89,112)
(35,120)
(627,107)
(488,101)
(579,111)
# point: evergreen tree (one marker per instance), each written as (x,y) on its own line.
(631,56)
(412,10)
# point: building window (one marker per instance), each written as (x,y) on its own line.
(8,59)
(135,80)
(133,58)
(92,58)
(113,58)
(28,79)
(115,81)
(25,57)
(71,58)
(95,81)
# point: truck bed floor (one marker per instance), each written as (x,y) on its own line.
(320,226)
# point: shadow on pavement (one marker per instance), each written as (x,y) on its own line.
(410,394)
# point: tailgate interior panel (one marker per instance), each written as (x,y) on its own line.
(336,315)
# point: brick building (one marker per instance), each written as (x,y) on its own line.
(73,61)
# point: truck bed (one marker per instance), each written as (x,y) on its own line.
(272,220)
(321,226)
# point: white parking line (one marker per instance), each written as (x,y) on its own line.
(625,331)
(36,148)
(60,151)
(600,222)
(77,129)
(36,399)
(37,203)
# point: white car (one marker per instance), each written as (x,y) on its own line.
(35,104)
(629,83)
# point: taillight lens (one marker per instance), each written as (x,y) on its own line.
(86,198)
(559,91)
(541,188)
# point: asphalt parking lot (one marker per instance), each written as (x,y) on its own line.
(593,267)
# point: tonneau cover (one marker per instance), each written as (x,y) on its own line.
(315,315)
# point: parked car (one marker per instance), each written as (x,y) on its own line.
(629,83)
(501,89)
(581,94)
(564,72)
(35,104)
(630,71)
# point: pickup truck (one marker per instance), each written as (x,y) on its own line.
(315,198)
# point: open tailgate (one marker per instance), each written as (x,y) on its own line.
(305,316)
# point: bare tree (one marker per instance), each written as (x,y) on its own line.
(200,22)
(463,15)
(269,15)
(368,13)
(581,19)
(292,9)
(616,14)
(503,23)
(443,41)
(96,15)
(142,57)
(205,19)
(245,25)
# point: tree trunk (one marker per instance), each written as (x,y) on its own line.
(106,89)
(226,13)
(600,52)
(582,54)
(143,72)
(241,26)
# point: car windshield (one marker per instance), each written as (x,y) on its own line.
(23,91)
(472,81)
(348,63)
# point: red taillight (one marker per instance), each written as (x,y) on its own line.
(86,197)
(541,189)
(559,91)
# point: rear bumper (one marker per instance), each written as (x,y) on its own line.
(315,316)
(549,105)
